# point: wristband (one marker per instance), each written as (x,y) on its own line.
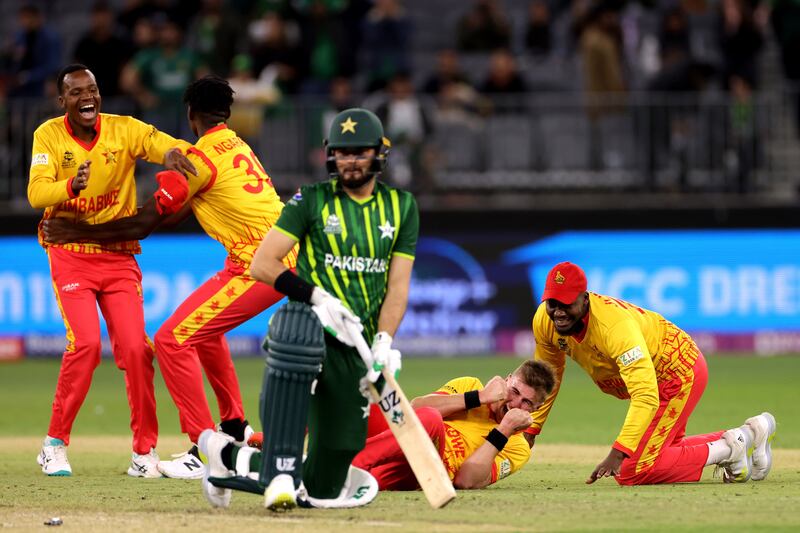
(294,287)
(496,439)
(472,399)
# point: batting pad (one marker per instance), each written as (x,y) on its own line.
(360,488)
(295,348)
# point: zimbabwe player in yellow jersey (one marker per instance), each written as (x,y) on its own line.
(477,429)
(82,171)
(633,353)
(233,199)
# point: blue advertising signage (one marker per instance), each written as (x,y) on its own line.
(172,267)
(731,281)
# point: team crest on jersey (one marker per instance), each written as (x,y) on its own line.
(110,156)
(562,345)
(332,225)
(69,160)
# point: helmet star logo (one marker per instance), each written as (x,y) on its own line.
(387,231)
(348,125)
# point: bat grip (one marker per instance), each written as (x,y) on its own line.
(363,350)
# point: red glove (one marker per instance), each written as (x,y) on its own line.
(173,190)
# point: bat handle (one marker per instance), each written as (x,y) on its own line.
(363,351)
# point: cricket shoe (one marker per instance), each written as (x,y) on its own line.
(764,428)
(280,494)
(739,466)
(211,444)
(53,458)
(144,465)
(184,466)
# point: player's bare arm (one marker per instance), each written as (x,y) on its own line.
(396,299)
(267,262)
(476,471)
(449,404)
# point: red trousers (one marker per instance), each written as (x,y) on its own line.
(665,454)
(192,341)
(114,282)
(382,456)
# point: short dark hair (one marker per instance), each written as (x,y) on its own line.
(69,69)
(538,375)
(211,96)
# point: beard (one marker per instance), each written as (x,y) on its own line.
(356,181)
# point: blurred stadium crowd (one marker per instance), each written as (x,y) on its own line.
(655,95)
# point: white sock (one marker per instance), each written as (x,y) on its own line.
(243,460)
(718,451)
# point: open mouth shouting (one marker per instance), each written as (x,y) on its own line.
(88,112)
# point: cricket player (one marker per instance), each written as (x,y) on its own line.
(234,201)
(636,354)
(357,241)
(476,428)
(82,170)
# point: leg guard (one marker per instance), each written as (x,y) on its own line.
(295,349)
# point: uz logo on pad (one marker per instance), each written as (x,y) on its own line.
(284,464)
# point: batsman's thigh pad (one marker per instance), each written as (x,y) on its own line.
(295,348)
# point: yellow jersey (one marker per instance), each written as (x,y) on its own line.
(465,432)
(232,196)
(626,350)
(111,190)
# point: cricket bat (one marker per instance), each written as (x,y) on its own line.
(407,429)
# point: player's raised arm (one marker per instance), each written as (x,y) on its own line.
(450,404)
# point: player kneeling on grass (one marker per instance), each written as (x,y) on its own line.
(357,239)
(633,353)
(475,428)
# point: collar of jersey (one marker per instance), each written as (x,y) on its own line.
(86,146)
(218,127)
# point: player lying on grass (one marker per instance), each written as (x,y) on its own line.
(633,353)
(233,199)
(477,430)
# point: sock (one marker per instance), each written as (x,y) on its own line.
(227,454)
(718,451)
(234,428)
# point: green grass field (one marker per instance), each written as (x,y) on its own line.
(548,495)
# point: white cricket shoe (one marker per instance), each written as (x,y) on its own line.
(739,466)
(211,444)
(183,466)
(764,428)
(53,458)
(280,495)
(145,465)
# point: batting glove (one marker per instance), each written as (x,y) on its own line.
(384,356)
(173,190)
(333,314)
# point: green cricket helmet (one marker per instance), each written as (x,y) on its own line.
(357,128)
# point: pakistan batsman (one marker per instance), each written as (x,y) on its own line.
(357,241)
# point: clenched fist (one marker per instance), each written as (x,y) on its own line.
(81,180)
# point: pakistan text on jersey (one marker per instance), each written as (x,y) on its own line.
(228,144)
(90,205)
(356,263)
